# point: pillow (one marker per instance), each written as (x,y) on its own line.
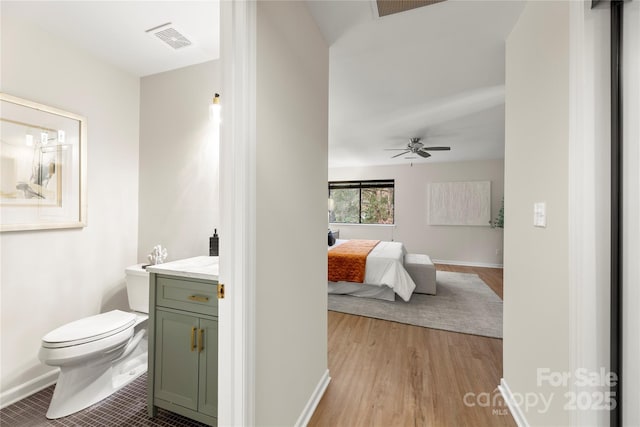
(332,240)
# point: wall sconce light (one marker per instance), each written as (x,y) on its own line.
(214,109)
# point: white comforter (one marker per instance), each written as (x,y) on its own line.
(385,268)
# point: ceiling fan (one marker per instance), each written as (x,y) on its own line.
(415,146)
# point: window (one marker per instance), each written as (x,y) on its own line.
(362,202)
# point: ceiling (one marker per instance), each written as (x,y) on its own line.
(435,72)
(114,31)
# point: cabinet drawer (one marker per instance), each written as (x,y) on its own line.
(195,296)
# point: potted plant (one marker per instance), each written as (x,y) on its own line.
(499,221)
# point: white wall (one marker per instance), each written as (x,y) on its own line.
(179,186)
(292,76)
(52,277)
(457,244)
(536,290)
(631,213)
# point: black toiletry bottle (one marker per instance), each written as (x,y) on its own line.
(213,243)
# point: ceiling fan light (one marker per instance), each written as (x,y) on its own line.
(416,146)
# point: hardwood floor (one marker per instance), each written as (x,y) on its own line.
(391,374)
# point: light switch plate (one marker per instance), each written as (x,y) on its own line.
(540,214)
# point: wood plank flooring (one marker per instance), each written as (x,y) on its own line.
(390,374)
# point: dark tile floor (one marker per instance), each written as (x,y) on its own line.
(127,407)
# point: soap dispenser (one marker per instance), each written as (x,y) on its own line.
(213,243)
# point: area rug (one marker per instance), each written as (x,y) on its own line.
(464,303)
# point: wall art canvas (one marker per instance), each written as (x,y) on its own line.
(459,203)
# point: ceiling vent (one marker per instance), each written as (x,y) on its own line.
(389,7)
(168,34)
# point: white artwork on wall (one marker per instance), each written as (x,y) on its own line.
(459,203)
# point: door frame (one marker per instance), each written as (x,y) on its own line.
(586,273)
(236,363)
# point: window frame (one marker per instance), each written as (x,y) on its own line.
(360,185)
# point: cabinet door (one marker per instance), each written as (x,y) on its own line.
(176,370)
(208,388)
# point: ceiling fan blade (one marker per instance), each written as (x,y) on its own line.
(401,154)
(423,154)
(437,148)
(395,149)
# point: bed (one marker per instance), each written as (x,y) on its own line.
(385,275)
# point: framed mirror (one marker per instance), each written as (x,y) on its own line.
(43,166)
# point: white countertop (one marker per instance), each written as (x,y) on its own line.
(200,267)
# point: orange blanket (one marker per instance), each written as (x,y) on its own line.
(348,261)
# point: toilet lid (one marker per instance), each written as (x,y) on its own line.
(89,329)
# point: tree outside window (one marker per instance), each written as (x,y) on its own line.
(362,202)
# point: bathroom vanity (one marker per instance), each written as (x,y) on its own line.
(183,338)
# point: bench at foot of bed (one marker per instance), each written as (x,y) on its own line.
(422,271)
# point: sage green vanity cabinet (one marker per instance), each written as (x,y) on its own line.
(183,347)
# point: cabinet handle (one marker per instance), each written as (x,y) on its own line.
(199,298)
(201,341)
(193,338)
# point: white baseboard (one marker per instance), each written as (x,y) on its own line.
(312,404)
(516,412)
(27,389)
(466,263)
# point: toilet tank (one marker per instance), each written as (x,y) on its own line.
(138,288)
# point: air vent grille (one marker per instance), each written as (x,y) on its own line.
(389,7)
(172,37)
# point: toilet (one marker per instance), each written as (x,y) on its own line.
(100,354)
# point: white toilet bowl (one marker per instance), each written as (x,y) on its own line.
(100,354)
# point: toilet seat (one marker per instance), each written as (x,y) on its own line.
(89,329)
